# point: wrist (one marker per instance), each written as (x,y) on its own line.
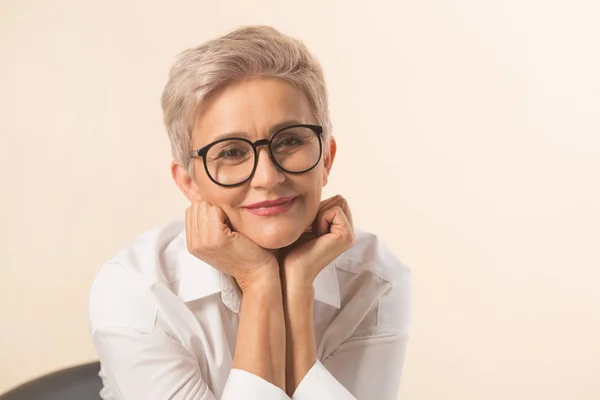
(298,289)
(298,300)
(265,297)
(297,281)
(263,280)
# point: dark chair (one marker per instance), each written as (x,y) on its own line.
(77,383)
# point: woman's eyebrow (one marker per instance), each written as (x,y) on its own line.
(283,124)
(230,135)
(241,134)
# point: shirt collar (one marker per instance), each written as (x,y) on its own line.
(198,279)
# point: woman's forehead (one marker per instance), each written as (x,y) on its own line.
(251,108)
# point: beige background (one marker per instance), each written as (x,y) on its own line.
(469,139)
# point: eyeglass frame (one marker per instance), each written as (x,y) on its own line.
(202,152)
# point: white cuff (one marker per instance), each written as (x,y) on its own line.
(245,385)
(318,383)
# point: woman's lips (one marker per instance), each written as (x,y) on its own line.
(269,208)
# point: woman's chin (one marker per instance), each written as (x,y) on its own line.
(275,238)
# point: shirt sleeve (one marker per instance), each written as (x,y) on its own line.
(367,365)
(358,370)
(155,366)
(318,383)
(245,385)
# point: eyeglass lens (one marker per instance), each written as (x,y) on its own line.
(295,149)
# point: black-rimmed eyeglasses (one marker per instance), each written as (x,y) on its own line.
(232,161)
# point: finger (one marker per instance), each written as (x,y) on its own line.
(330,218)
(340,201)
(218,220)
(343,203)
(341,234)
(192,233)
(325,204)
(201,220)
(324,220)
(192,217)
(340,238)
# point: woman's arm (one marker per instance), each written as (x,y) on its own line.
(366,365)
(370,367)
(140,360)
(260,346)
(138,365)
(298,303)
(144,362)
(331,235)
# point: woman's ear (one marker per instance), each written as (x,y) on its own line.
(185,182)
(329,157)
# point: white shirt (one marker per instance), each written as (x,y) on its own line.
(165,324)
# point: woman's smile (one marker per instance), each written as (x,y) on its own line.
(269,208)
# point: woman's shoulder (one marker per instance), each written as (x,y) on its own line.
(144,259)
(371,274)
(118,292)
(371,254)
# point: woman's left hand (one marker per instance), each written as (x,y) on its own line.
(331,234)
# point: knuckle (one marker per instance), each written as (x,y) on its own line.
(218,243)
(348,236)
(194,247)
(352,241)
(349,241)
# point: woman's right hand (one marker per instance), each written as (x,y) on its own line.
(211,239)
(260,344)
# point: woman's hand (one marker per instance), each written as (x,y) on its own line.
(260,343)
(211,239)
(331,234)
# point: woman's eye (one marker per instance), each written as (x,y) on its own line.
(232,153)
(289,141)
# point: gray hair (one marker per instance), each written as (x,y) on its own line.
(248,52)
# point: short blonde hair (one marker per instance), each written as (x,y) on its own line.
(248,52)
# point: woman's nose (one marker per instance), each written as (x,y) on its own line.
(267,175)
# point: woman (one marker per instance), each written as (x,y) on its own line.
(265,292)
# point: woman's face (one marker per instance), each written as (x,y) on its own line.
(254,109)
